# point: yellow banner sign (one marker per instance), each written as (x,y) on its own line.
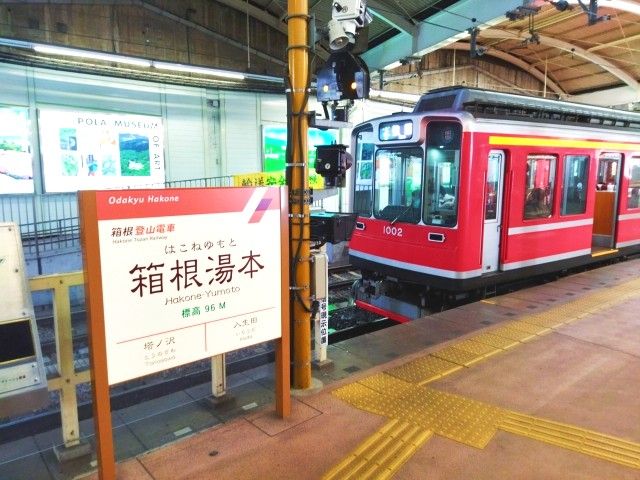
(267,179)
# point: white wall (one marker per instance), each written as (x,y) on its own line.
(185,132)
(208,132)
(14,91)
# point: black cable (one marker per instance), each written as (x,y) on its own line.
(289,155)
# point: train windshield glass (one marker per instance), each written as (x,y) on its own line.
(398,184)
(443,167)
(364,147)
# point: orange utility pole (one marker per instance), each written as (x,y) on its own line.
(298,183)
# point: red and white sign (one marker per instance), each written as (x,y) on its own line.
(187,274)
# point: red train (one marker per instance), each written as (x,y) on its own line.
(476,188)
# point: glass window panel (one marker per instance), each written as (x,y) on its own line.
(363,188)
(398,184)
(539,186)
(493,177)
(443,169)
(608,171)
(633,192)
(576,174)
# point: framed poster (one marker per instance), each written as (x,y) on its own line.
(274,149)
(84,150)
(16,160)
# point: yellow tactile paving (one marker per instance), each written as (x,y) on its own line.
(469,422)
(525,326)
(424,369)
(367,399)
(401,395)
(455,355)
(477,348)
(384,382)
(453,416)
(546,319)
(495,341)
(511,333)
(382,454)
(574,438)
(462,419)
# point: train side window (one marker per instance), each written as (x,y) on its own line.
(576,174)
(443,168)
(633,192)
(539,186)
(608,171)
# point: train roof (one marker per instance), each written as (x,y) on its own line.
(489,104)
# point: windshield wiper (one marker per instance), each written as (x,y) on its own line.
(401,214)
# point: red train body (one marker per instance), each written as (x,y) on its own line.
(477,188)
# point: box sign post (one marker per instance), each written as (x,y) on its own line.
(178,275)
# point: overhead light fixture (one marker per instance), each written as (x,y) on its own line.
(138,62)
(393,65)
(405,97)
(179,67)
(76,52)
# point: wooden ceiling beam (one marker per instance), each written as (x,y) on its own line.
(568,47)
(521,64)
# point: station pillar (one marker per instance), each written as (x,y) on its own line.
(299,194)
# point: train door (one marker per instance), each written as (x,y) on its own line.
(493,211)
(606,205)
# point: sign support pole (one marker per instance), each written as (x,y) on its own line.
(96,333)
(298,182)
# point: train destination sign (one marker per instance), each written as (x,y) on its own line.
(187,274)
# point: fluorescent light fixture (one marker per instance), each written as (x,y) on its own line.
(625,6)
(75,52)
(393,65)
(10,42)
(405,97)
(138,62)
(178,67)
(263,78)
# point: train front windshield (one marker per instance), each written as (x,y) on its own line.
(406,186)
(398,184)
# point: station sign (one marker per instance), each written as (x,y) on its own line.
(187,274)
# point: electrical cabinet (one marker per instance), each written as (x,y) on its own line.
(23,381)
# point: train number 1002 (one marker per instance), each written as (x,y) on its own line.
(390,230)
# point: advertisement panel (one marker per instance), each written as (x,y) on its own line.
(274,148)
(85,150)
(187,274)
(16,161)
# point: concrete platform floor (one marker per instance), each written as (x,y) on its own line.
(582,373)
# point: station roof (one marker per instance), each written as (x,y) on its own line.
(578,47)
(582,50)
